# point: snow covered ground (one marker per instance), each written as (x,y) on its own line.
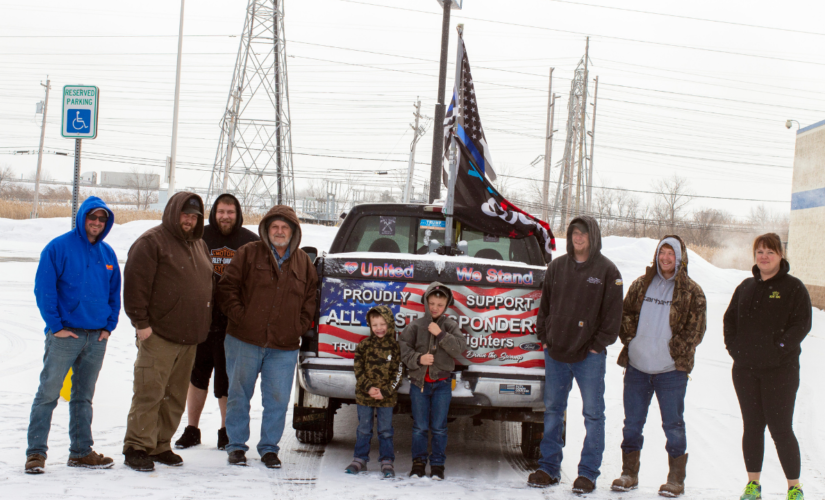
(482,462)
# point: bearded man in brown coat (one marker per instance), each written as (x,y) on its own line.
(167,293)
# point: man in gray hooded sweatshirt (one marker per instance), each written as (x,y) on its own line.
(663,320)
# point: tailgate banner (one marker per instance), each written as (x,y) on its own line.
(499,324)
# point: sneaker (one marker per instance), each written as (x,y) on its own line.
(356,466)
(237,457)
(753,491)
(223,438)
(541,479)
(583,485)
(138,460)
(191,437)
(419,469)
(437,472)
(35,464)
(795,493)
(271,460)
(167,458)
(92,461)
(387,469)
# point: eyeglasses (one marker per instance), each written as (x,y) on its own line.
(101,218)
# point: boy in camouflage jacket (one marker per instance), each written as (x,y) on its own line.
(377,377)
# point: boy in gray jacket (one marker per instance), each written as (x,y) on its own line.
(429,346)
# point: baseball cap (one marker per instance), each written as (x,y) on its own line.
(192,207)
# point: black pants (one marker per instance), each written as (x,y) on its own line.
(767,397)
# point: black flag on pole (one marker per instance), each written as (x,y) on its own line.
(476,202)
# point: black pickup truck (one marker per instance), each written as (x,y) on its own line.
(383,254)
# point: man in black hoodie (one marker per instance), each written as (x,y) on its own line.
(223,236)
(579,316)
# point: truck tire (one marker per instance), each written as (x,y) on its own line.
(322,435)
(531,434)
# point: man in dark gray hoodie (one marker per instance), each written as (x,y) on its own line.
(579,316)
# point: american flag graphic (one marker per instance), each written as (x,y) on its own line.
(468,128)
(498,323)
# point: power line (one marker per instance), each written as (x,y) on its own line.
(606,37)
(732,23)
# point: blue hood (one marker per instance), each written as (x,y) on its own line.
(91,204)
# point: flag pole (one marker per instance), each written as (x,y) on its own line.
(450,202)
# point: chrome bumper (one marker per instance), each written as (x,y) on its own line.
(490,390)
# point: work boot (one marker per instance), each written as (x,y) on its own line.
(356,466)
(753,491)
(223,438)
(167,458)
(630,472)
(541,479)
(419,469)
(437,472)
(35,464)
(583,485)
(191,437)
(138,460)
(271,460)
(675,485)
(237,457)
(92,461)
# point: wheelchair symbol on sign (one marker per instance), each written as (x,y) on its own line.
(78,123)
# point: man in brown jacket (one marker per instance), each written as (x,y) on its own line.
(664,319)
(268,294)
(167,293)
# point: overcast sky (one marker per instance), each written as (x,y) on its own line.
(678,94)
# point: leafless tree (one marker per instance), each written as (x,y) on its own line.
(674,195)
(144,186)
(6,175)
(765,220)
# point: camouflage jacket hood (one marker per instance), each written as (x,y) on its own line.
(378,364)
(688,310)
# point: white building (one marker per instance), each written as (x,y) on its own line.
(806,251)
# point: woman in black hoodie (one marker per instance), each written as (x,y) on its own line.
(768,317)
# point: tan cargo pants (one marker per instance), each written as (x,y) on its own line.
(162,372)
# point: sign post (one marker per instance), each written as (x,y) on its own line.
(79,122)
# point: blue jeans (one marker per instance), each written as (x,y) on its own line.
(429,410)
(364,433)
(670,389)
(84,355)
(244,362)
(589,375)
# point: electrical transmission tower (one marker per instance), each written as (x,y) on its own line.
(574,174)
(254,156)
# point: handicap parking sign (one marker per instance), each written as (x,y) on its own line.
(80,105)
(78,121)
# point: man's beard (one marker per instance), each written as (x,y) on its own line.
(188,233)
(226,227)
(281,245)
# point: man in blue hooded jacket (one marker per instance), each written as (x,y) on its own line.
(77,287)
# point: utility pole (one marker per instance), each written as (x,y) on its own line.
(40,151)
(548,149)
(416,135)
(440,108)
(592,151)
(173,161)
(579,186)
